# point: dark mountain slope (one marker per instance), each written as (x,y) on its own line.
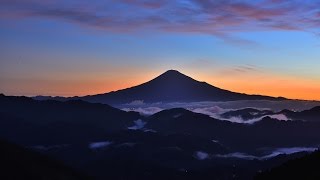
(171,86)
(32,122)
(307,168)
(306,115)
(241,137)
(246,113)
(167,146)
(20,163)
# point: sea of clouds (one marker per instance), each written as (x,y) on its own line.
(215,109)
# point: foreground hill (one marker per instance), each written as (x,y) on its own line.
(171,86)
(20,163)
(307,168)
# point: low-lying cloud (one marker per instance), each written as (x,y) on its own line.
(138,125)
(289,151)
(272,154)
(211,111)
(238,119)
(48,147)
(210,106)
(200,155)
(215,109)
(238,155)
(146,111)
(99,145)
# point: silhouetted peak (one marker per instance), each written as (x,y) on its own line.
(172,71)
(173,75)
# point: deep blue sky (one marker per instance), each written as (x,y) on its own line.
(76,47)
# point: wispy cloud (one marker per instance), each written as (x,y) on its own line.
(240,70)
(245,68)
(216,17)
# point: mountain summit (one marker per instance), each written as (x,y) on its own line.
(172,78)
(171,86)
(172,74)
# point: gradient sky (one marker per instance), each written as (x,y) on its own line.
(80,47)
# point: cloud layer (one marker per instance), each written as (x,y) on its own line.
(216,17)
(200,155)
(274,153)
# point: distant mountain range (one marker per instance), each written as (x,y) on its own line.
(54,122)
(107,143)
(171,86)
(310,115)
(30,122)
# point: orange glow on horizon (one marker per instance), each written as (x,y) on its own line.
(267,84)
(271,85)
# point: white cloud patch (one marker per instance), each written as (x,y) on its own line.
(238,155)
(146,111)
(280,117)
(50,147)
(138,125)
(211,111)
(238,119)
(99,145)
(200,155)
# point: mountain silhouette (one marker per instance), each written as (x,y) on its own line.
(236,136)
(168,140)
(306,167)
(22,163)
(29,122)
(306,115)
(171,86)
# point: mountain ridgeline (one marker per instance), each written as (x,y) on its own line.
(306,167)
(171,86)
(107,143)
